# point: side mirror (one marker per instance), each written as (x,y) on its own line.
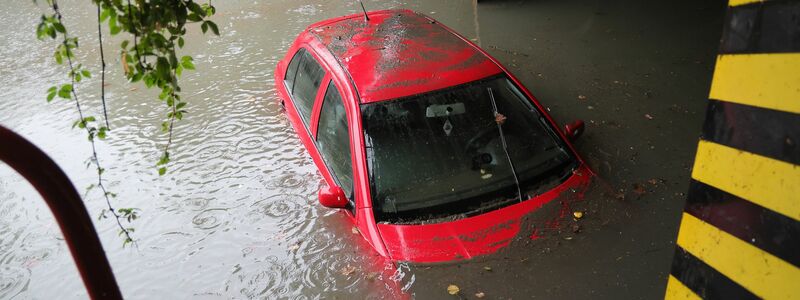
(574,130)
(332,197)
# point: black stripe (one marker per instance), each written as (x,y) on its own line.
(703,280)
(770,231)
(766,132)
(762,27)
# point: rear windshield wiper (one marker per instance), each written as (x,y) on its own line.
(499,119)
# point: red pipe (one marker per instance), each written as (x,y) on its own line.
(68,209)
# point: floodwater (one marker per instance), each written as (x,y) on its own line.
(236,216)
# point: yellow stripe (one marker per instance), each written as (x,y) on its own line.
(741,2)
(771,183)
(764,80)
(761,273)
(676,290)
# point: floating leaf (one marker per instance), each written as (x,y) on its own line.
(453,289)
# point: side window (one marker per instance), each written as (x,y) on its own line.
(291,71)
(306,85)
(333,140)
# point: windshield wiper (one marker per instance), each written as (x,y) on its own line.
(499,119)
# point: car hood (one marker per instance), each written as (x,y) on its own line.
(478,235)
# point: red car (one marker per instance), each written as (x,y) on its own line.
(433,148)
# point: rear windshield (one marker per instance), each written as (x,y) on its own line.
(440,156)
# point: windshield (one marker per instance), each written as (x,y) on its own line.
(442,154)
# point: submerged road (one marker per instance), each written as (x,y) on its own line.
(238,218)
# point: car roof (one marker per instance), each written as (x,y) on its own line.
(399,53)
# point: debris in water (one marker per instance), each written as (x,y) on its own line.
(638,189)
(453,289)
(487,268)
(578,215)
(499,118)
(372,276)
(479,295)
(569,238)
(294,247)
(354,230)
(653,181)
(648,116)
(581,97)
(576,228)
(348,270)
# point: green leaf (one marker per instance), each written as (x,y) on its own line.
(59,27)
(112,25)
(162,68)
(162,171)
(187,63)
(51,93)
(165,126)
(195,8)
(180,42)
(86,73)
(64,91)
(194,18)
(40,31)
(104,14)
(204,27)
(57,56)
(213,27)
(124,44)
(180,105)
(164,159)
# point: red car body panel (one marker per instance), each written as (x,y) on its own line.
(402,53)
(393,55)
(470,237)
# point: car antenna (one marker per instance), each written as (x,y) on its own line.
(499,119)
(366,17)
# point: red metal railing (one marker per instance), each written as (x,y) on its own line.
(68,209)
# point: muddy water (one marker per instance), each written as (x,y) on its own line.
(236,216)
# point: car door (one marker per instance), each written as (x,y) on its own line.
(333,141)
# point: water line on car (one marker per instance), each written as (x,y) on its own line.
(499,119)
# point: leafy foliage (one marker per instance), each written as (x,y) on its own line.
(158,28)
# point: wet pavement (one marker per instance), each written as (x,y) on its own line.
(237,215)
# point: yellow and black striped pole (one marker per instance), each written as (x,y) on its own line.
(740,232)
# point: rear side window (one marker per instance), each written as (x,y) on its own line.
(306,84)
(291,71)
(333,140)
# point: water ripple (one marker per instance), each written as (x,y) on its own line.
(13,281)
(211,218)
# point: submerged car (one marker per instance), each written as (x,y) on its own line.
(430,146)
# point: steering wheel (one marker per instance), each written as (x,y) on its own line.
(480,139)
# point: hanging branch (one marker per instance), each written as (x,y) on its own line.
(156,26)
(102,67)
(75,74)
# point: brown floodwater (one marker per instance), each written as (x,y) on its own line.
(237,215)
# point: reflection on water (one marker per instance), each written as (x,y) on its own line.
(236,217)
